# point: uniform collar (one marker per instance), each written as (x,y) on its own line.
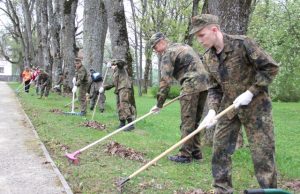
(228,47)
(228,44)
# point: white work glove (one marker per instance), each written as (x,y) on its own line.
(209,120)
(243,99)
(108,65)
(74,89)
(155,109)
(74,81)
(101,90)
(56,86)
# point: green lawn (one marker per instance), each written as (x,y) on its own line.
(98,171)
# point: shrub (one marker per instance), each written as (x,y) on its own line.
(173,93)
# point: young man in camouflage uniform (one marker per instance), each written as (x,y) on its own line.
(95,83)
(43,82)
(124,91)
(81,82)
(240,72)
(181,62)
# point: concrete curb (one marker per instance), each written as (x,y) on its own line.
(49,159)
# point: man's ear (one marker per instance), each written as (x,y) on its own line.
(214,29)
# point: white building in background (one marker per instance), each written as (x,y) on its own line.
(5,70)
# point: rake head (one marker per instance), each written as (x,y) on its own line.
(72,113)
(72,157)
(121,184)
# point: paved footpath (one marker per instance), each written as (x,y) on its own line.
(25,164)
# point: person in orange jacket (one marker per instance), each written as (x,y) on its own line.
(26,75)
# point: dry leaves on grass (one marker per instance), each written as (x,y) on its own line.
(94,124)
(54,146)
(195,191)
(293,185)
(114,148)
(57,111)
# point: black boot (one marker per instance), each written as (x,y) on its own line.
(131,127)
(122,123)
(180,159)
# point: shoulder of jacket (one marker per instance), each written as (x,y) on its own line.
(237,37)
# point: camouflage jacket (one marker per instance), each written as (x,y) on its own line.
(43,79)
(181,62)
(81,76)
(121,80)
(241,66)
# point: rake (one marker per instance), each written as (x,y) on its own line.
(200,128)
(20,89)
(74,159)
(73,101)
(265,191)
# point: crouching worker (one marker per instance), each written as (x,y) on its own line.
(181,62)
(93,90)
(124,92)
(43,82)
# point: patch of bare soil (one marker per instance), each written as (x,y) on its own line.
(115,149)
(56,111)
(195,191)
(94,124)
(293,185)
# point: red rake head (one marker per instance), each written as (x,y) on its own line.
(72,156)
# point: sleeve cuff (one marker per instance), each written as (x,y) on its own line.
(160,101)
(254,90)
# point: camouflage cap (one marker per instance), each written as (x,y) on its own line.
(155,38)
(78,59)
(118,62)
(201,21)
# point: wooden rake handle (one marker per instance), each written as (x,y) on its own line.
(95,107)
(201,127)
(131,123)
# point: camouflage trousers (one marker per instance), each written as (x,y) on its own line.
(82,97)
(101,101)
(257,120)
(126,109)
(191,111)
(44,89)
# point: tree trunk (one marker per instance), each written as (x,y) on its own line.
(45,42)
(27,31)
(94,34)
(69,45)
(54,18)
(39,56)
(188,39)
(233,15)
(118,32)
(136,50)
(147,77)
(12,14)
(234,19)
